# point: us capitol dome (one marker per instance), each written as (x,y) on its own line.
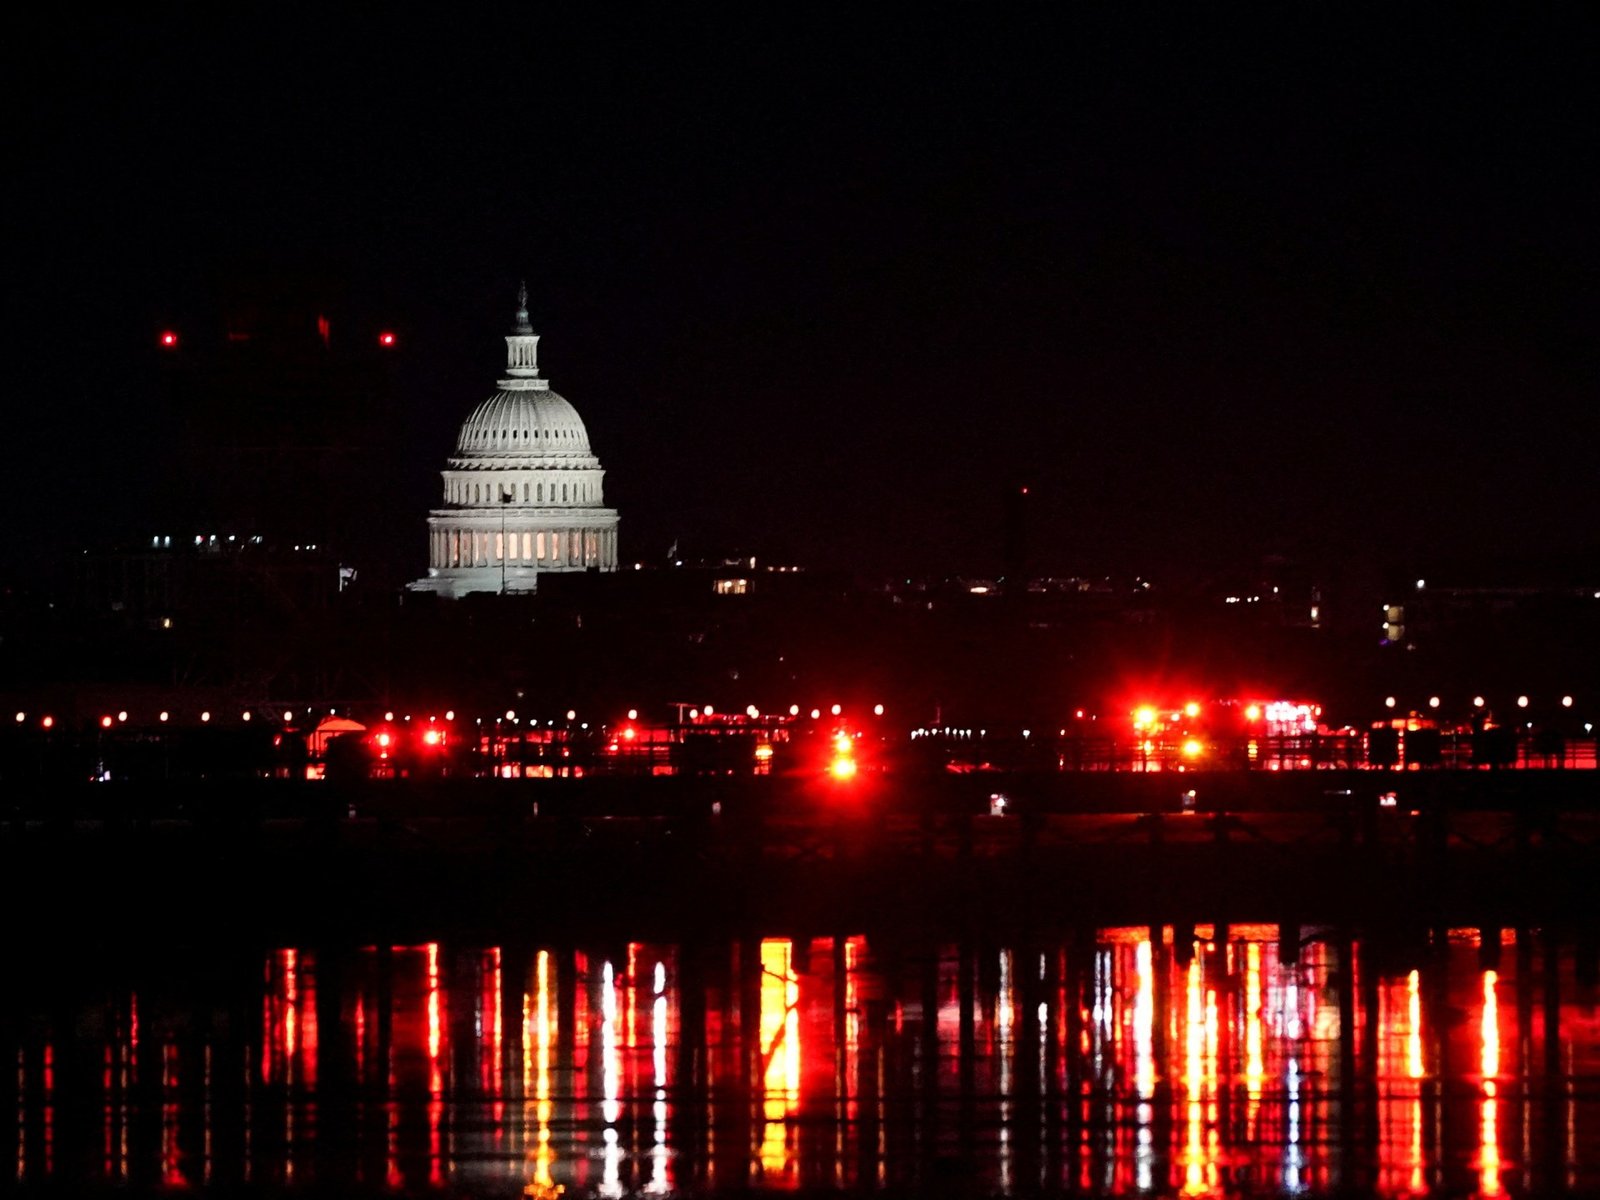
(523,492)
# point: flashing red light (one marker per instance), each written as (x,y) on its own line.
(432,737)
(386,338)
(842,767)
(629,732)
(384,740)
(48,722)
(105,722)
(169,340)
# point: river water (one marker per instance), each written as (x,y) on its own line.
(1245,1060)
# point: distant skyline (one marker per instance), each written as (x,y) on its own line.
(827,286)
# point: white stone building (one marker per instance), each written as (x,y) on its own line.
(523,491)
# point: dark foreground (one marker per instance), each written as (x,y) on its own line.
(1303,994)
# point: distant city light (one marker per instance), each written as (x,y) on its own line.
(511,714)
(122,715)
(1522,702)
(816,713)
(835,710)
(169,340)
(1477,702)
(1388,701)
(842,767)
(386,338)
(205,716)
(21,717)
(1566,702)
(794,710)
(877,710)
(633,714)
(1191,709)
(287,716)
(388,716)
(694,714)
(1251,713)
(449,714)
(752,711)
(710,711)
(1433,702)
(572,715)
(163,715)
(105,722)
(1421,583)
(384,739)
(1192,748)
(48,721)
(432,737)
(245,716)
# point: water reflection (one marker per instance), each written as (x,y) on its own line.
(1193,1060)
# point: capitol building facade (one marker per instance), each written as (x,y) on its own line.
(523,492)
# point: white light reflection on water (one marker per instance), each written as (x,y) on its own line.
(1196,1079)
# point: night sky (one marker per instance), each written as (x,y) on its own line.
(824,285)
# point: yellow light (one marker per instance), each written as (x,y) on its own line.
(763,752)
(843,767)
(630,733)
(384,739)
(842,743)
(1252,713)
(432,737)
(1191,709)
(1192,748)
(1144,717)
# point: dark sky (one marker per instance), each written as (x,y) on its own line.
(825,284)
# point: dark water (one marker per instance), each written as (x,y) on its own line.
(1109,1065)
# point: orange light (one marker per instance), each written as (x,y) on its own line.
(1191,709)
(386,338)
(105,722)
(1252,712)
(1143,717)
(1192,748)
(47,722)
(629,733)
(431,738)
(169,340)
(842,767)
(842,743)
(763,752)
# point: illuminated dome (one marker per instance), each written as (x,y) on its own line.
(517,423)
(523,492)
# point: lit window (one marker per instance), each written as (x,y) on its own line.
(527,547)
(539,544)
(555,545)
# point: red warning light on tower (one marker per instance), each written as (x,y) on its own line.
(169,339)
(386,339)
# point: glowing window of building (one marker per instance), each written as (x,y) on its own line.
(539,543)
(511,548)
(555,545)
(527,547)
(730,587)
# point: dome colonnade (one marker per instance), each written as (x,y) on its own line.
(523,493)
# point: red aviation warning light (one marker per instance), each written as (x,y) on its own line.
(169,339)
(386,339)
